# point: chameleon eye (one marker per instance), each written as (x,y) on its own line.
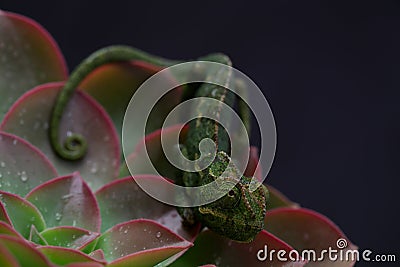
(231,199)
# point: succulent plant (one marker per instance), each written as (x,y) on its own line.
(91,212)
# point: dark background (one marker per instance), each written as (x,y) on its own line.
(329,69)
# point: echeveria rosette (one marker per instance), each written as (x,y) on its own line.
(59,222)
(87,216)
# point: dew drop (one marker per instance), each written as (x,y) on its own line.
(158,234)
(15,141)
(94,168)
(67,196)
(126,231)
(24,176)
(58,216)
(2,164)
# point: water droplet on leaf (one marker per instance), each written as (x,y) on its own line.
(58,216)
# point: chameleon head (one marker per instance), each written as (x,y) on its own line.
(238,215)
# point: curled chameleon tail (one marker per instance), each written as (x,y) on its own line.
(75,145)
(239,214)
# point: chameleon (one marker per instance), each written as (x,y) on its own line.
(239,214)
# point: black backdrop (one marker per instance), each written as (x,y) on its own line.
(329,70)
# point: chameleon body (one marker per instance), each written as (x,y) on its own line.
(239,214)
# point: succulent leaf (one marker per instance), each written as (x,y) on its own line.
(306,229)
(67,200)
(7,259)
(123,200)
(29,57)
(3,214)
(22,214)
(36,237)
(97,254)
(69,237)
(84,116)
(210,247)
(7,229)
(22,166)
(151,145)
(114,84)
(23,252)
(251,167)
(278,200)
(64,256)
(140,243)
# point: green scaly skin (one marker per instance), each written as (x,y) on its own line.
(240,213)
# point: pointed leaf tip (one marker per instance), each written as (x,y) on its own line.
(65,201)
(22,213)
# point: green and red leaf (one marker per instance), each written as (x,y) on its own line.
(7,259)
(67,201)
(22,213)
(22,166)
(278,200)
(140,243)
(83,116)
(69,237)
(3,214)
(64,256)
(210,247)
(24,253)
(123,200)
(307,230)
(7,229)
(29,56)
(114,84)
(151,145)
